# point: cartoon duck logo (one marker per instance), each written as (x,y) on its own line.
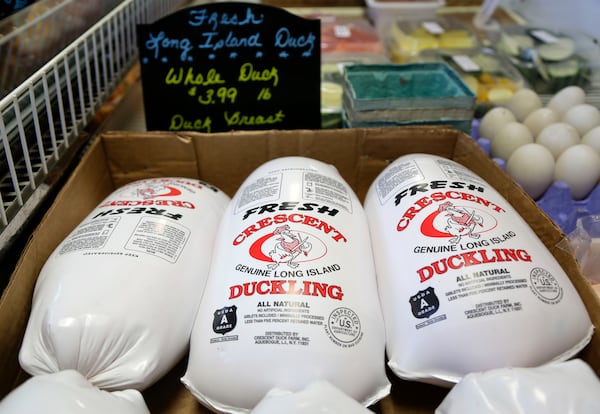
(153,190)
(461,222)
(289,246)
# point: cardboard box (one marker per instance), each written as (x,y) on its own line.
(225,160)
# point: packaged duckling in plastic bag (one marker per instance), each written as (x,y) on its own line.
(69,392)
(558,388)
(317,397)
(117,298)
(291,296)
(465,283)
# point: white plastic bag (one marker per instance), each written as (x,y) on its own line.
(569,387)
(291,296)
(464,282)
(117,298)
(68,392)
(318,397)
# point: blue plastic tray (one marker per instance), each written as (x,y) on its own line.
(418,85)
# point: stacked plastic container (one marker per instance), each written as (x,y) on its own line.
(410,94)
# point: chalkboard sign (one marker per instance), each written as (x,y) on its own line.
(231,66)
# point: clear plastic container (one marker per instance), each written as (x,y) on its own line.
(547,59)
(407,94)
(384,12)
(345,40)
(490,75)
(406,39)
(348,35)
(332,82)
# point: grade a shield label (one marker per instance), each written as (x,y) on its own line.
(231,66)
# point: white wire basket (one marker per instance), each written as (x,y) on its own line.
(48,109)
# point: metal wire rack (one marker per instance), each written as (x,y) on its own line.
(42,116)
(32,36)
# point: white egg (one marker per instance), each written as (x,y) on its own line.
(592,138)
(509,138)
(558,137)
(540,118)
(493,121)
(583,117)
(523,102)
(579,167)
(566,98)
(532,166)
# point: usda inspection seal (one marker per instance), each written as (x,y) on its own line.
(343,327)
(545,286)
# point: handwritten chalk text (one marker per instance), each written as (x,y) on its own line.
(179,123)
(201,17)
(238,119)
(248,73)
(231,41)
(284,39)
(190,77)
(158,43)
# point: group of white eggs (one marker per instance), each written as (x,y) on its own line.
(543,144)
